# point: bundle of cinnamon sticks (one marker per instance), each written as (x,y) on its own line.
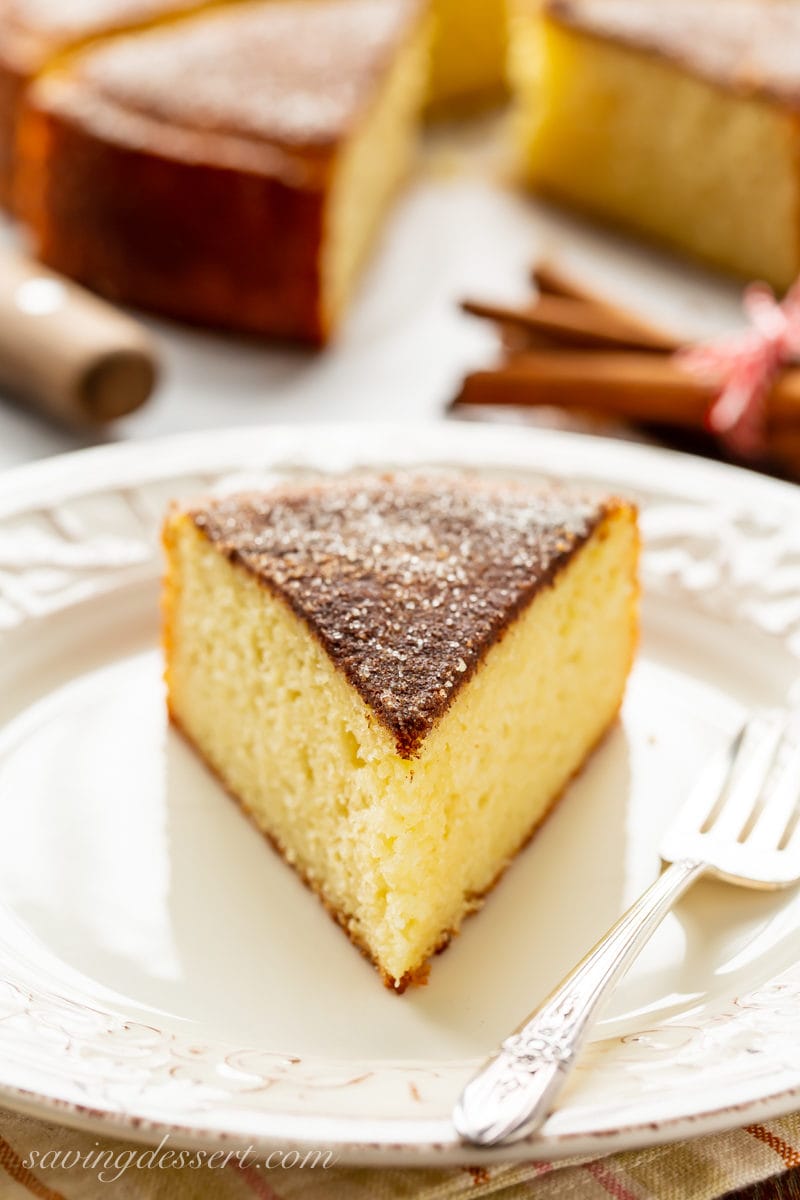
(571,348)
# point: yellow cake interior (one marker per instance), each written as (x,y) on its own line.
(370,167)
(469,52)
(638,140)
(400,849)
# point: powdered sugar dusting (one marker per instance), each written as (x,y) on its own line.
(278,72)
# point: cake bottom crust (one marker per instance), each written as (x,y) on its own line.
(417,977)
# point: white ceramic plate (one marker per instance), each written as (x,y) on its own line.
(163,971)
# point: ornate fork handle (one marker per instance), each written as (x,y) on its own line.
(514,1092)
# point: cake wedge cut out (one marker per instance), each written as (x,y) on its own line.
(397,677)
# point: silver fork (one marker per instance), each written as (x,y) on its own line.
(741,823)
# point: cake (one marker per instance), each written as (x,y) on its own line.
(676,120)
(230,170)
(36,33)
(468,67)
(397,677)
(468,61)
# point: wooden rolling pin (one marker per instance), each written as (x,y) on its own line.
(66,352)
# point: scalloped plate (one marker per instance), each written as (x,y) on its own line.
(164,972)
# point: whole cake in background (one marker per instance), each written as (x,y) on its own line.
(229,162)
(231,169)
(679,119)
(397,677)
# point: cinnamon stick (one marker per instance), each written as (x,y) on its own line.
(643,387)
(784,450)
(551,280)
(575,323)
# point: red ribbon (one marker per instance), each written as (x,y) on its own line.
(746,365)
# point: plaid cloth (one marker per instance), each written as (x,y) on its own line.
(53,1163)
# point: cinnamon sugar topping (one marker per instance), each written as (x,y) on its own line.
(406,581)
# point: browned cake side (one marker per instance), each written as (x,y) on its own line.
(16,71)
(34,32)
(187,169)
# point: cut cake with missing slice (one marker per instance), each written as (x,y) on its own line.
(37,36)
(396,677)
(232,169)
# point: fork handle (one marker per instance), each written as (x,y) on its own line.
(514,1092)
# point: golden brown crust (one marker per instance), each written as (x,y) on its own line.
(405,581)
(745,46)
(201,243)
(31,34)
(13,83)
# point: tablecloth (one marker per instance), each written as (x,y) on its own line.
(54,1163)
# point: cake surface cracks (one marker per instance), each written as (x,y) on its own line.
(406,583)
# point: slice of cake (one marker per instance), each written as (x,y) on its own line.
(677,119)
(231,169)
(396,677)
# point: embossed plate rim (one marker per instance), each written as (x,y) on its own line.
(733,494)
